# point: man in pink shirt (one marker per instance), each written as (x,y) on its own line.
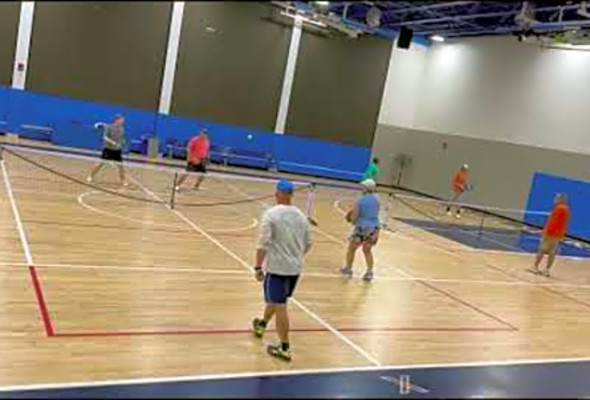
(197,156)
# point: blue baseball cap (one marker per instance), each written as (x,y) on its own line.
(285,186)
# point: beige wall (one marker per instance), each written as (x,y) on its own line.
(502,172)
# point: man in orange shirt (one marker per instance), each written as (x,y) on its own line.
(459,186)
(197,156)
(553,234)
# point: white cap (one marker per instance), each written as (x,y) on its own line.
(369,184)
(465,166)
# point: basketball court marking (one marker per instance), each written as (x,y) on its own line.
(242,375)
(313,315)
(31,258)
(447,294)
(166,269)
(149,223)
(19,225)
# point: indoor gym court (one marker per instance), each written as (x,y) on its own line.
(145,291)
(135,291)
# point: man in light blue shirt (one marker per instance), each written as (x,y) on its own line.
(365,217)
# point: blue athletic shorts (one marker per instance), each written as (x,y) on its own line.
(278,288)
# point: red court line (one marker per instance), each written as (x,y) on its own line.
(197,332)
(41,304)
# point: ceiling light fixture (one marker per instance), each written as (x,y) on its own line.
(305,19)
(437,38)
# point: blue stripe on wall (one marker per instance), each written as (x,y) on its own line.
(71,123)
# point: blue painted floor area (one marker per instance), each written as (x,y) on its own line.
(493,238)
(542,380)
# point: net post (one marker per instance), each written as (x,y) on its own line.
(173,195)
(387,215)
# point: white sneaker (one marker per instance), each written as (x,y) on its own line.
(533,270)
(545,273)
(89,179)
(458,215)
(177,188)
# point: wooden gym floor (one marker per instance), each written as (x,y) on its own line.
(95,287)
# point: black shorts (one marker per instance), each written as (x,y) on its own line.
(112,155)
(200,167)
(278,288)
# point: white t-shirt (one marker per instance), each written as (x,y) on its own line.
(286,236)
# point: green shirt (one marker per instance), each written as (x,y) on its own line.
(372,172)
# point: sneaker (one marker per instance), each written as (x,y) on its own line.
(458,215)
(545,273)
(177,188)
(449,213)
(125,184)
(258,328)
(278,352)
(346,271)
(533,270)
(89,179)
(368,276)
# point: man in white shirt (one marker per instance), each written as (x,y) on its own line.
(284,240)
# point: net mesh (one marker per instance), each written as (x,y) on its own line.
(60,174)
(478,226)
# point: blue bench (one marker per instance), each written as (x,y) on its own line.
(36,132)
(316,170)
(225,155)
(250,158)
(140,145)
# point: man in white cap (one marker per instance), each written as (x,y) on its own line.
(365,218)
(459,185)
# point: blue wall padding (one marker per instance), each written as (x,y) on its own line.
(72,122)
(297,154)
(543,189)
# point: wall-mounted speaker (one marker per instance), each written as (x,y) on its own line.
(404,38)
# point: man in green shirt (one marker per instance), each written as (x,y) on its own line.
(372,171)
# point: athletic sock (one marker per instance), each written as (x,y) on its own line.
(285,346)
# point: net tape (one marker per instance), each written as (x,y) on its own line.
(169,169)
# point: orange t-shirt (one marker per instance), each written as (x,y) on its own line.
(459,181)
(557,223)
(198,149)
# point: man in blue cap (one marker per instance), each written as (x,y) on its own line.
(285,238)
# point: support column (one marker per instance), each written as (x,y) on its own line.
(171,57)
(288,77)
(23,44)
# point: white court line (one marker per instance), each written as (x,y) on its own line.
(313,315)
(149,223)
(19,224)
(408,278)
(245,375)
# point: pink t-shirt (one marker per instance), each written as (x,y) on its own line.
(198,149)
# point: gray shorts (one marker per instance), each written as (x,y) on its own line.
(364,235)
